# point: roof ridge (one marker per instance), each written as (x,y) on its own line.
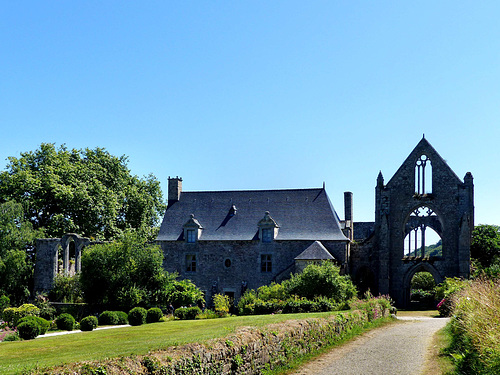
(253,191)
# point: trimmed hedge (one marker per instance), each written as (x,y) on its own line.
(42,323)
(88,323)
(187,313)
(122,317)
(28,329)
(137,316)
(154,315)
(108,318)
(65,322)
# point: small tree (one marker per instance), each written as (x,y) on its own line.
(323,280)
(221,305)
(485,245)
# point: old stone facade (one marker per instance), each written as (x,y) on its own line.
(230,241)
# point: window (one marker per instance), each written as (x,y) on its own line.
(266,264)
(227,263)
(423,175)
(190,236)
(267,235)
(191,263)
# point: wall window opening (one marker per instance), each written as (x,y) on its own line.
(266,264)
(191,263)
(423,176)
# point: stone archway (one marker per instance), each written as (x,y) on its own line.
(420,267)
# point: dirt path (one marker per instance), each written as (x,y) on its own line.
(391,350)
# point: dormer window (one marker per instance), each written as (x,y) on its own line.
(268,228)
(192,230)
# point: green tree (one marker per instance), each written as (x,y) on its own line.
(89,192)
(485,245)
(16,252)
(124,273)
(182,292)
(322,280)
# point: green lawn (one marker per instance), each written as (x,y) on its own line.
(96,345)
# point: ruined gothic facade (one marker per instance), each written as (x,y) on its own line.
(230,241)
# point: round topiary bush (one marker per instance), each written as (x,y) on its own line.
(154,315)
(88,323)
(65,322)
(28,329)
(137,316)
(108,318)
(43,324)
(122,317)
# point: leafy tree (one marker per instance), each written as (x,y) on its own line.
(485,245)
(182,292)
(423,280)
(124,273)
(89,192)
(16,252)
(322,280)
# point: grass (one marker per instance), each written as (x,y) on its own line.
(438,362)
(19,356)
(426,313)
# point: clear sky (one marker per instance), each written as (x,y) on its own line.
(259,94)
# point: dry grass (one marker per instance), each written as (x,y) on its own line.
(425,313)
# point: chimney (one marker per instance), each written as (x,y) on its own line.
(174,189)
(348,213)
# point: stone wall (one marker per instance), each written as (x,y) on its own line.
(248,351)
(234,266)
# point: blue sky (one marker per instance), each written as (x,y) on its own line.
(259,94)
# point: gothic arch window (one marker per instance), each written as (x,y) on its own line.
(422,238)
(423,175)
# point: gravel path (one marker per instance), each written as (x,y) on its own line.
(398,349)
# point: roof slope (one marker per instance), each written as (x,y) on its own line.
(302,214)
(316,251)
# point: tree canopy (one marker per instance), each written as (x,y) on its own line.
(89,192)
(485,245)
(16,245)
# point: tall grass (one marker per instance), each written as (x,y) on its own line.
(476,327)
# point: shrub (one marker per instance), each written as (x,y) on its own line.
(187,313)
(42,323)
(14,314)
(154,315)
(4,303)
(108,318)
(28,329)
(137,316)
(47,311)
(207,314)
(221,305)
(13,336)
(122,317)
(65,322)
(88,323)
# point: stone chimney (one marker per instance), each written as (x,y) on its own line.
(348,214)
(174,189)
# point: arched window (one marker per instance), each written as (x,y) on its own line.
(421,239)
(423,175)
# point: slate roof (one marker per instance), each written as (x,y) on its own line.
(315,251)
(301,214)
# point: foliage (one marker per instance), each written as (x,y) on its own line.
(17,239)
(108,318)
(88,323)
(322,280)
(12,315)
(182,292)
(89,192)
(43,324)
(11,336)
(4,303)
(475,327)
(137,316)
(221,305)
(122,317)
(444,293)
(47,311)
(28,330)
(375,307)
(123,274)
(207,314)
(485,245)
(66,289)
(187,313)
(154,315)
(272,291)
(65,322)
(423,280)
